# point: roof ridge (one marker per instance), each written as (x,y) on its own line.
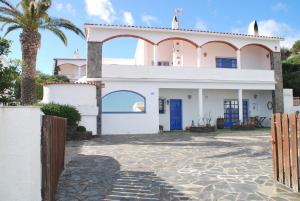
(187,30)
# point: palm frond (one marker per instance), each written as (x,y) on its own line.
(60,22)
(5,19)
(7,4)
(10,12)
(12,28)
(58,33)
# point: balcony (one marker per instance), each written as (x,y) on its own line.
(189,74)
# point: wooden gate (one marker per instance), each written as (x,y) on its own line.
(285,132)
(53,154)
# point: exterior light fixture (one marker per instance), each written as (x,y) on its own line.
(205,54)
(189,97)
(255,96)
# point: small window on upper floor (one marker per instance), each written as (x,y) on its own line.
(226,63)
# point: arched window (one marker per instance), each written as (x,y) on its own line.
(123,102)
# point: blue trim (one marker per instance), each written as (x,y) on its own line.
(178,113)
(223,62)
(145,102)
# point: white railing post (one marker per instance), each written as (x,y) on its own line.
(240,97)
(200,102)
(238,59)
(154,55)
(199,55)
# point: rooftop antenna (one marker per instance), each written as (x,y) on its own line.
(175,22)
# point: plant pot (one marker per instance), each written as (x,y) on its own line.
(220,123)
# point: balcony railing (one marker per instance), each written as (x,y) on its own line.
(188,73)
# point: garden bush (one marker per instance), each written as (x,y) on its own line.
(65,111)
(81,129)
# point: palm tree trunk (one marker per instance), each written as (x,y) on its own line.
(30,43)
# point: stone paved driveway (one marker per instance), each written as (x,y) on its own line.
(180,166)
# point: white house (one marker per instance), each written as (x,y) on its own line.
(179,77)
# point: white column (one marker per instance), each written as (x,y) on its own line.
(238,59)
(240,91)
(154,55)
(199,55)
(200,102)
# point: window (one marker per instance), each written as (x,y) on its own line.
(163,63)
(162,106)
(123,102)
(226,63)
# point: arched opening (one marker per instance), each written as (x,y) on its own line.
(127,50)
(177,52)
(132,102)
(255,56)
(218,54)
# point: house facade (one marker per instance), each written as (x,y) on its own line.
(179,78)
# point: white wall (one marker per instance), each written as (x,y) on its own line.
(213,101)
(214,50)
(288,100)
(82,96)
(255,57)
(20,160)
(143,123)
(189,106)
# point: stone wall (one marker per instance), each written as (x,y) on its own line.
(278,93)
(94,70)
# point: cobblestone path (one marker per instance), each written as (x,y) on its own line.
(180,166)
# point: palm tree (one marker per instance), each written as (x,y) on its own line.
(31,16)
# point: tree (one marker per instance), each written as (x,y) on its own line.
(8,75)
(291,75)
(42,79)
(296,48)
(31,16)
(285,53)
(294,59)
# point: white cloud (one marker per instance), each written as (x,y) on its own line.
(128,18)
(201,25)
(272,27)
(65,7)
(148,19)
(280,7)
(102,9)
(59,6)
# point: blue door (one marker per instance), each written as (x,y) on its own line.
(231,112)
(175,114)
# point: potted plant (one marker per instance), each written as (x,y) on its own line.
(220,123)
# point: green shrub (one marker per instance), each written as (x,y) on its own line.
(81,129)
(65,111)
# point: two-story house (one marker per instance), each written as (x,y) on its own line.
(180,77)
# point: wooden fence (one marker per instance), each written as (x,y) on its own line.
(53,154)
(285,135)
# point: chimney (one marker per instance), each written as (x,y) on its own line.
(253,28)
(76,54)
(175,21)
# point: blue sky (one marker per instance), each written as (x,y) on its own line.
(277,18)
